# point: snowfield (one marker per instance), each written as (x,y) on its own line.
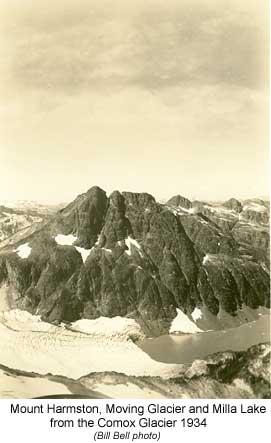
(129,241)
(28,387)
(65,240)
(24,250)
(69,240)
(91,346)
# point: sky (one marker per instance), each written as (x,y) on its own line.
(166,97)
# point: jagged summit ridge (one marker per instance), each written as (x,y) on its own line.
(125,254)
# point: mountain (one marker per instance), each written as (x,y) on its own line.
(127,255)
(34,207)
(21,218)
(13,220)
(246,222)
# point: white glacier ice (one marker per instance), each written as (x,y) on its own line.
(103,345)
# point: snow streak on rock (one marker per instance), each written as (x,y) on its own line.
(65,240)
(24,250)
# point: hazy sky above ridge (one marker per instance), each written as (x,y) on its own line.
(165,97)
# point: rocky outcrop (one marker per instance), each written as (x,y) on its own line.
(131,256)
(256,211)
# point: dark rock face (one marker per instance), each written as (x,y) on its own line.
(144,261)
(84,217)
(233,204)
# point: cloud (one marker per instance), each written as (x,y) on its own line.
(71,49)
(103,93)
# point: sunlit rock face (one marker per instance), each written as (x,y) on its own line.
(127,255)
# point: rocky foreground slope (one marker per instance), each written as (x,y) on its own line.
(222,375)
(130,256)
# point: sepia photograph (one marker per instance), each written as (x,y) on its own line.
(134,199)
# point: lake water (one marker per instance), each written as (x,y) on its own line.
(186,348)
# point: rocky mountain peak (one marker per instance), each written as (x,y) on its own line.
(128,255)
(233,204)
(179,200)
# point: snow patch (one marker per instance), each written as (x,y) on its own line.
(65,240)
(182,323)
(98,240)
(84,252)
(189,210)
(129,241)
(196,314)
(206,258)
(180,210)
(221,210)
(210,258)
(68,240)
(266,352)
(24,250)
